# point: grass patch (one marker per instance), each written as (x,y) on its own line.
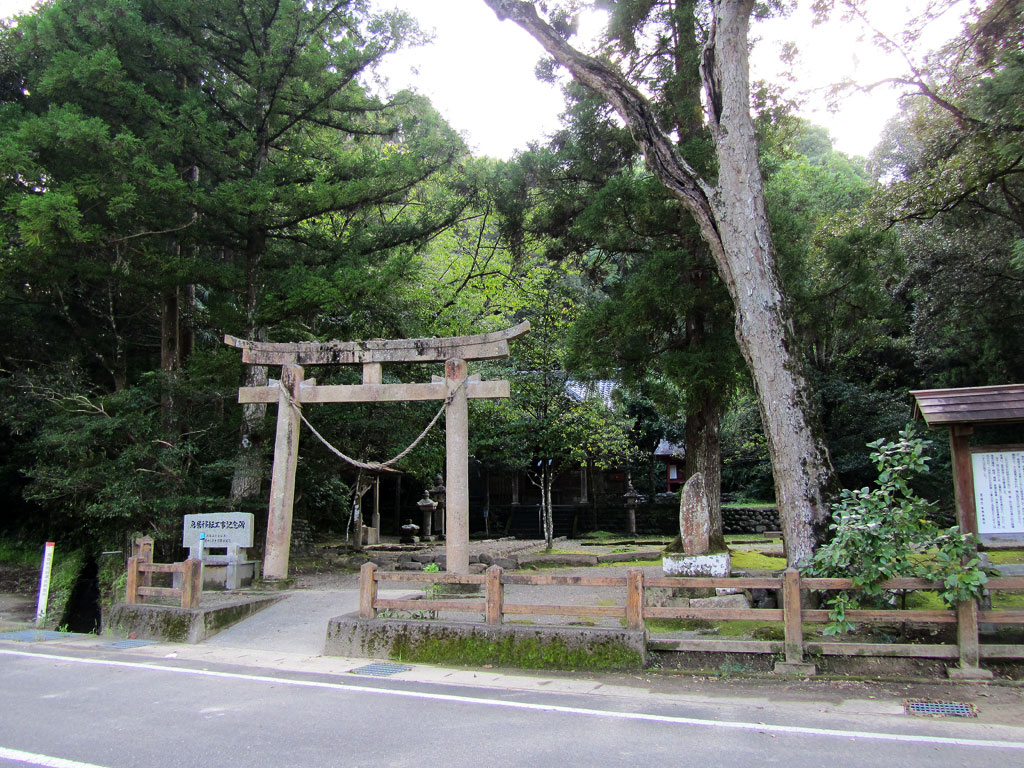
(565,552)
(742,560)
(1007,600)
(925,600)
(601,535)
(16,553)
(1007,556)
(631,564)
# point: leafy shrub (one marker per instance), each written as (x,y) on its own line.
(885,532)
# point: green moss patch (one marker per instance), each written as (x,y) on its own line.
(525,653)
(755,561)
(1007,600)
(1007,556)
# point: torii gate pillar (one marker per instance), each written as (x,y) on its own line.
(457,480)
(282,479)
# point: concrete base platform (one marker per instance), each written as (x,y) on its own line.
(795,669)
(518,645)
(181,625)
(969,673)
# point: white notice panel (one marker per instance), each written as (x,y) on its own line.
(222,529)
(999,491)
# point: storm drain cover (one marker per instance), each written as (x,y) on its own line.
(380,670)
(941,708)
(37,635)
(131,643)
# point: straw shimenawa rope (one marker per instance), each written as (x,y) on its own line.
(371,465)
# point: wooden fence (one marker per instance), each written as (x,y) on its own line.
(137,587)
(493,608)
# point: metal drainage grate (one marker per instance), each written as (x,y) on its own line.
(131,643)
(380,670)
(941,708)
(38,635)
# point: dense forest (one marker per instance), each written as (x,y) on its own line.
(171,172)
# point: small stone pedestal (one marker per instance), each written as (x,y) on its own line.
(680,564)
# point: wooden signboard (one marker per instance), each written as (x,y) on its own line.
(988,480)
(998,475)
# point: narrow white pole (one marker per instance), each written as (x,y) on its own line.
(44,583)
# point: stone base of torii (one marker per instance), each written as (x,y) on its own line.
(293,390)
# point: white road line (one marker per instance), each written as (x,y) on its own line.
(50,762)
(637,716)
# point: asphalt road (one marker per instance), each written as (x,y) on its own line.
(74,708)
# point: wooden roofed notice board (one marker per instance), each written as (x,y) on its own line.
(988,479)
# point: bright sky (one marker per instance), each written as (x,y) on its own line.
(478,72)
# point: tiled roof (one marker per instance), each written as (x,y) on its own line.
(584,390)
(667,450)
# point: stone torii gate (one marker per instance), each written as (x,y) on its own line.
(457,387)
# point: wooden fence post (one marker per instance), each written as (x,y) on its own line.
(793,621)
(131,583)
(367,591)
(144,551)
(967,642)
(191,585)
(495,595)
(635,599)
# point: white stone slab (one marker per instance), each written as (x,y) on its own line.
(696,565)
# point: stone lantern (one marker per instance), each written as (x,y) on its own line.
(427,507)
(632,498)
(438,493)
(408,533)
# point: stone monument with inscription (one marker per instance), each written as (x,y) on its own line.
(694,557)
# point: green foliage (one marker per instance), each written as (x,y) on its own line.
(884,533)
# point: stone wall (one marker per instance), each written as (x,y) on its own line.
(750,519)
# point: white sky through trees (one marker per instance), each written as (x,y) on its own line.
(478,71)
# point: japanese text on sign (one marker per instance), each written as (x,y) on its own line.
(225,529)
(999,491)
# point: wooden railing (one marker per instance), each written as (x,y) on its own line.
(137,587)
(493,608)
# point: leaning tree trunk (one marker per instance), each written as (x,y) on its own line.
(733,222)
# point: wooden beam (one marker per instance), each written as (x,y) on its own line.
(375,393)
(282,480)
(484,346)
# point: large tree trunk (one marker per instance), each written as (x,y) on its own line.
(247,481)
(704,455)
(733,222)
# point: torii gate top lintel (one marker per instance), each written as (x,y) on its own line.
(484,346)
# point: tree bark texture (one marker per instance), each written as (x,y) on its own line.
(704,457)
(732,219)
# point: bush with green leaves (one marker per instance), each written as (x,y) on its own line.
(886,532)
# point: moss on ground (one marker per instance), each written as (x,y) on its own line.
(525,653)
(1007,600)
(756,561)
(1007,556)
